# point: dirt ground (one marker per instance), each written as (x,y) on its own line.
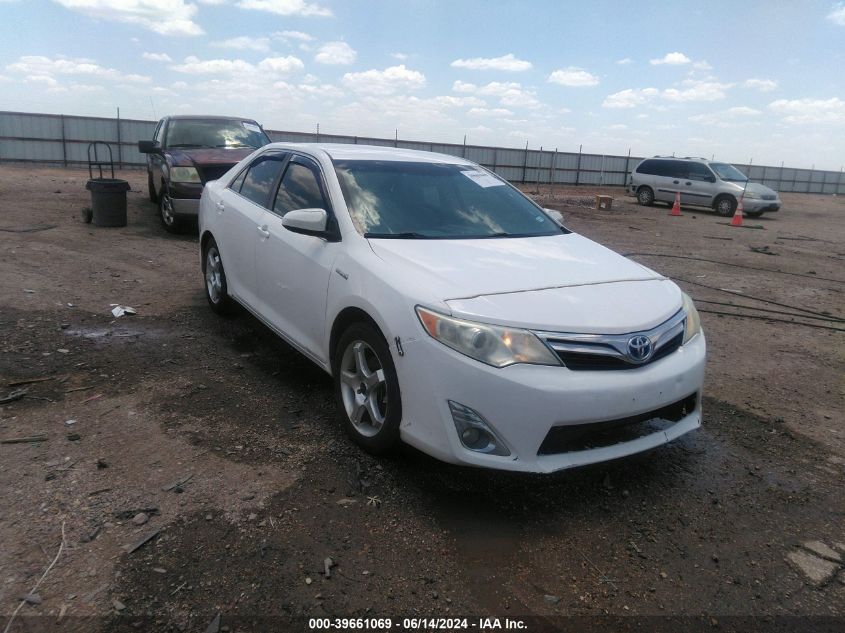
(228,441)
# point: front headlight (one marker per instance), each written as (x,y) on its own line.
(692,325)
(184,174)
(491,344)
(751,195)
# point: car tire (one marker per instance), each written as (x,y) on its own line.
(645,196)
(753,214)
(216,288)
(169,220)
(367,389)
(725,206)
(151,188)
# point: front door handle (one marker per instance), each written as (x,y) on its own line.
(689,184)
(263,230)
(676,182)
(221,207)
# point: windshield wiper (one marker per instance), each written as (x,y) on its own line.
(407,235)
(187,145)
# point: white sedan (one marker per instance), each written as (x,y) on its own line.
(452,312)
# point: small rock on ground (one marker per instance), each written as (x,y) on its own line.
(140,518)
(817,570)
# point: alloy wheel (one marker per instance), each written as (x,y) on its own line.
(363,388)
(214,275)
(167,215)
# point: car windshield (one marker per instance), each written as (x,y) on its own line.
(410,200)
(728,172)
(192,133)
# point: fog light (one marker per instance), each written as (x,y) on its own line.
(474,431)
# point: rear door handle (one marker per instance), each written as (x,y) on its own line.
(689,184)
(263,230)
(675,182)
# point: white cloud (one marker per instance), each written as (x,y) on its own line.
(37,65)
(573,77)
(732,117)
(281,65)
(505,62)
(286,7)
(702,65)
(697,90)
(238,67)
(629,98)
(384,82)
(463,86)
(624,61)
(837,14)
(157,57)
(763,85)
(335,54)
(509,93)
(810,110)
(166,17)
(400,56)
(671,59)
(494,112)
(245,43)
(298,36)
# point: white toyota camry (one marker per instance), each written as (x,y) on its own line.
(452,312)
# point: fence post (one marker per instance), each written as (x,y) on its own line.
(396,138)
(578,167)
(464,150)
(810,179)
(839,182)
(627,169)
(553,175)
(495,158)
(780,177)
(119,146)
(64,144)
(525,162)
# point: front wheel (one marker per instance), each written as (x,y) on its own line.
(367,389)
(169,219)
(645,196)
(725,206)
(216,288)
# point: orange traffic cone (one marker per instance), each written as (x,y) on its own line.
(737,219)
(676,208)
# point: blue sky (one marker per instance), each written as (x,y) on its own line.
(738,80)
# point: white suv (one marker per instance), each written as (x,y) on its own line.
(702,183)
(451,311)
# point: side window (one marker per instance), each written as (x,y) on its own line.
(237,182)
(260,179)
(300,189)
(647,167)
(676,169)
(699,172)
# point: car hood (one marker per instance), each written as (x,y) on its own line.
(754,187)
(207,156)
(564,282)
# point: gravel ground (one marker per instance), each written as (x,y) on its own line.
(227,442)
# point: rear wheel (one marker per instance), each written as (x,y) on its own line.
(645,196)
(367,389)
(725,206)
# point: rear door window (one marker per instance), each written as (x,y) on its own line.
(261,179)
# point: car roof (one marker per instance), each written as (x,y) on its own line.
(349,151)
(690,158)
(209,117)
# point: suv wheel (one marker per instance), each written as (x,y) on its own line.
(645,196)
(725,206)
(367,389)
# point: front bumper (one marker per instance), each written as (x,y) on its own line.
(522,403)
(755,205)
(185,198)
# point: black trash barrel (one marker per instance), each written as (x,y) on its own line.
(108,201)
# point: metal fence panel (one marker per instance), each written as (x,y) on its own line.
(47,138)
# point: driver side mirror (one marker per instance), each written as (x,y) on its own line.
(307,222)
(149,147)
(557,216)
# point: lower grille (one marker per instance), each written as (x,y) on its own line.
(213,172)
(581,437)
(769,196)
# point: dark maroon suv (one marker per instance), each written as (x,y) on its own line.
(188,151)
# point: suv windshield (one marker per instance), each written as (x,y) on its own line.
(405,200)
(191,133)
(728,172)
